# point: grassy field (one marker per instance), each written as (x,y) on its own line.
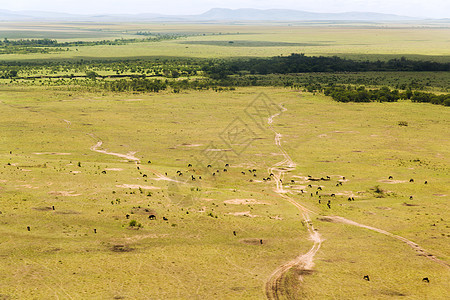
(374,41)
(86,248)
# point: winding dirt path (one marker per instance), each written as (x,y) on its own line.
(129,156)
(304,262)
(417,248)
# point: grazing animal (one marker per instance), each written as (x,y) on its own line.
(254,170)
(264,179)
(103,172)
(349,199)
(234,232)
(319,201)
(127,216)
(165,219)
(149,162)
(28,228)
(319,188)
(227,165)
(178,171)
(410,197)
(189,165)
(214,174)
(225,170)
(390,177)
(292,181)
(145,175)
(261,242)
(166,173)
(411,180)
(425,182)
(95,230)
(333,195)
(254,175)
(317,192)
(192,177)
(271,174)
(311,194)
(243,173)
(53,207)
(138,168)
(209,166)
(328,177)
(366,277)
(329,205)
(152,217)
(310,186)
(180,174)
(425,279)
(353,199)
(200,177)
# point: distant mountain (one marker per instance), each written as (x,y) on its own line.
(215,14)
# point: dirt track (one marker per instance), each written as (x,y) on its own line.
(417,248)
(304,262)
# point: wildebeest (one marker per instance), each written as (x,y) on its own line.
(410,197)
(234,232)
(310,186)
(28,228)
(145,175)
(209,166)
(390,177)
(149,162)
(292,181)
(261,242)
(271,174)
(333,195)
(192,177)
(366,277)
(152,217)
(349,199)
(227,165)
(53,207)
(425,279)
(319,188)
(425,182)
(138,168)
(165,219)
(95,230)
(243,173)
(103,172)
(225,170)
(411,180)
(189,165)
(127,216)
(180,174)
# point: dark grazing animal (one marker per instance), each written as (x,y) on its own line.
(366,277)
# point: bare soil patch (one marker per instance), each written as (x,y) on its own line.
(244,214)
(137,186)
(64,193)
(244,201)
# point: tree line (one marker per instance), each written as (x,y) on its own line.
(384,94)
(300,63)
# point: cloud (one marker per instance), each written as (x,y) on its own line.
(429,8)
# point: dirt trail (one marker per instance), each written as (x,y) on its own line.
(129,156)
(303,262)
(417,248)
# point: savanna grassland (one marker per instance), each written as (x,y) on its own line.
(136,170)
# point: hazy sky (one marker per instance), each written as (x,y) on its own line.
(419,8)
